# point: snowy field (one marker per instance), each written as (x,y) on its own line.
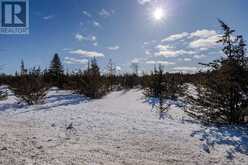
(120,129)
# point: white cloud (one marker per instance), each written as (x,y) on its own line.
(87,14)
(79,37)
(174,53)
(95,43)
(160,62)
(49,17)
(205,43)
(93,38)
(185,69)
(118,68)
(135,61)
(105,13)
(96,24)
(176,37)
(85,53)
(151,62)
(201,39)
(187,59)
(164,47)
(143,2)
(114,47)
(147,52)
(167,53)
(205,33)
(70,60)
(204,39)
(66,49)
(199,56)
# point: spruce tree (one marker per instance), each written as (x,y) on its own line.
(23,70)
(90,82)
(111,72)
(56,72)
(223,96)
(31,87)
(161,86)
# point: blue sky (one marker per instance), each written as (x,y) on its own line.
(125,31)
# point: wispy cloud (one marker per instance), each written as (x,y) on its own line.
(199,56)
(92,19)
(81,37)
(187,59)
(160,62)
(70,60)
(143,2)
(205,43)
(164,47)
(204,33)
(135,61)
(186,69)
(96,24)
(118,68)
(87,14)
(48,17)
(85,53)
(105,13)
(114,47)
(175,37)
(202,39)
(174,53)
(95,44)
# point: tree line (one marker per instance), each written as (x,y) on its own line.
(221,92)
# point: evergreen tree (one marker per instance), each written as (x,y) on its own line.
(23,70)
(223,97)
(56,72)
(30,88)
(135,68)
(3,92)
(90,83)
(111,72)
(161,86)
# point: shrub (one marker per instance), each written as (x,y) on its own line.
(30,88)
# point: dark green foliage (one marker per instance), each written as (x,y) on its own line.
(30,88)
(90,83)
(56,72)
(23,69)
(129,81)
(223,96)
(110,75)
(3,94)
(162,86)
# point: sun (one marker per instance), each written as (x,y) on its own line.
(158,14)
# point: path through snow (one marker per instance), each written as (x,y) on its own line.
(119,129)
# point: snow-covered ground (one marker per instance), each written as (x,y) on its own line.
(119,129)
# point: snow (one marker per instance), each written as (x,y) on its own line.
(119,129)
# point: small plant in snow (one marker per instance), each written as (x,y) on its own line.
(163,87)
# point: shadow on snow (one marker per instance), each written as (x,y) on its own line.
(236,137)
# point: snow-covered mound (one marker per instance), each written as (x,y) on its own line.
(119,129)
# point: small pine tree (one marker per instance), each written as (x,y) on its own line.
(30,88)
(90,82)
(56,72)
(161,86)
(23,70)
(3,94)
(111,72)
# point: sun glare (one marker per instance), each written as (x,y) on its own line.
(158,14)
